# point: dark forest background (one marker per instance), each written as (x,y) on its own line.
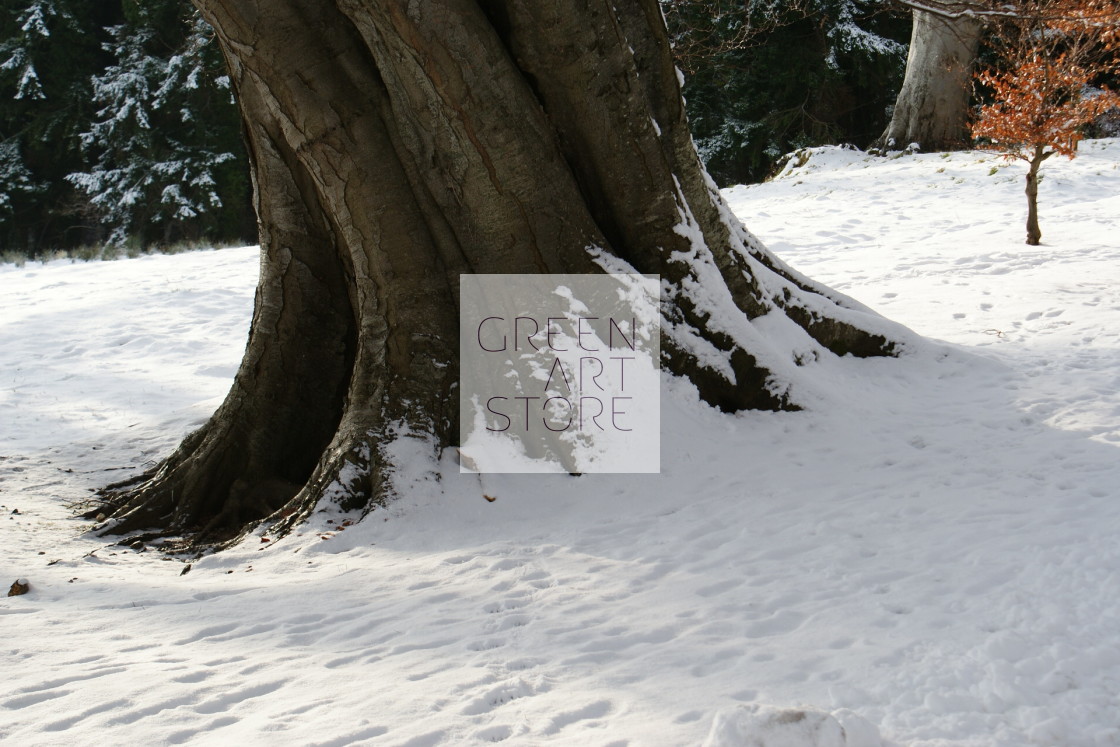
(118,127)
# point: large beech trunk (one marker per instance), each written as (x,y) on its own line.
(398,143)
(932,106)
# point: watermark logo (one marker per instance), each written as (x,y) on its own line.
(559,373)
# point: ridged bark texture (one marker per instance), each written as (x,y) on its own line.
(399,143)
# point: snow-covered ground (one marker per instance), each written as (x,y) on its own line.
(929,550)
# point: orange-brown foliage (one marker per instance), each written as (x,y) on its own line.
(1050,54)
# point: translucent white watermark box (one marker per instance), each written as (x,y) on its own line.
(559,373)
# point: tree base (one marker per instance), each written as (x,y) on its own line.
(396,146)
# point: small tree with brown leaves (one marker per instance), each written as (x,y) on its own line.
(1050,54)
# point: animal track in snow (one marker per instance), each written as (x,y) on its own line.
(595,710)
(498,696)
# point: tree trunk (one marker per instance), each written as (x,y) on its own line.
(396,144)
(932,106)
(1034,233)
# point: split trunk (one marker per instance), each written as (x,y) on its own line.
(396,144)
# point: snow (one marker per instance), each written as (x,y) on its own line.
(130,160)
(766,726)
(926,555)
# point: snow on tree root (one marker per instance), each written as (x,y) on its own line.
(769,726)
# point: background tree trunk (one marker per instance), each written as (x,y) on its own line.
(932,106)
(398,143)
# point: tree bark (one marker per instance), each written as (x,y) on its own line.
(399,143)
(1034,233)
(932,106)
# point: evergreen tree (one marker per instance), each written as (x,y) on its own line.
(764,77)
(47,50)
(166,130)
(116,120)
(15,179)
